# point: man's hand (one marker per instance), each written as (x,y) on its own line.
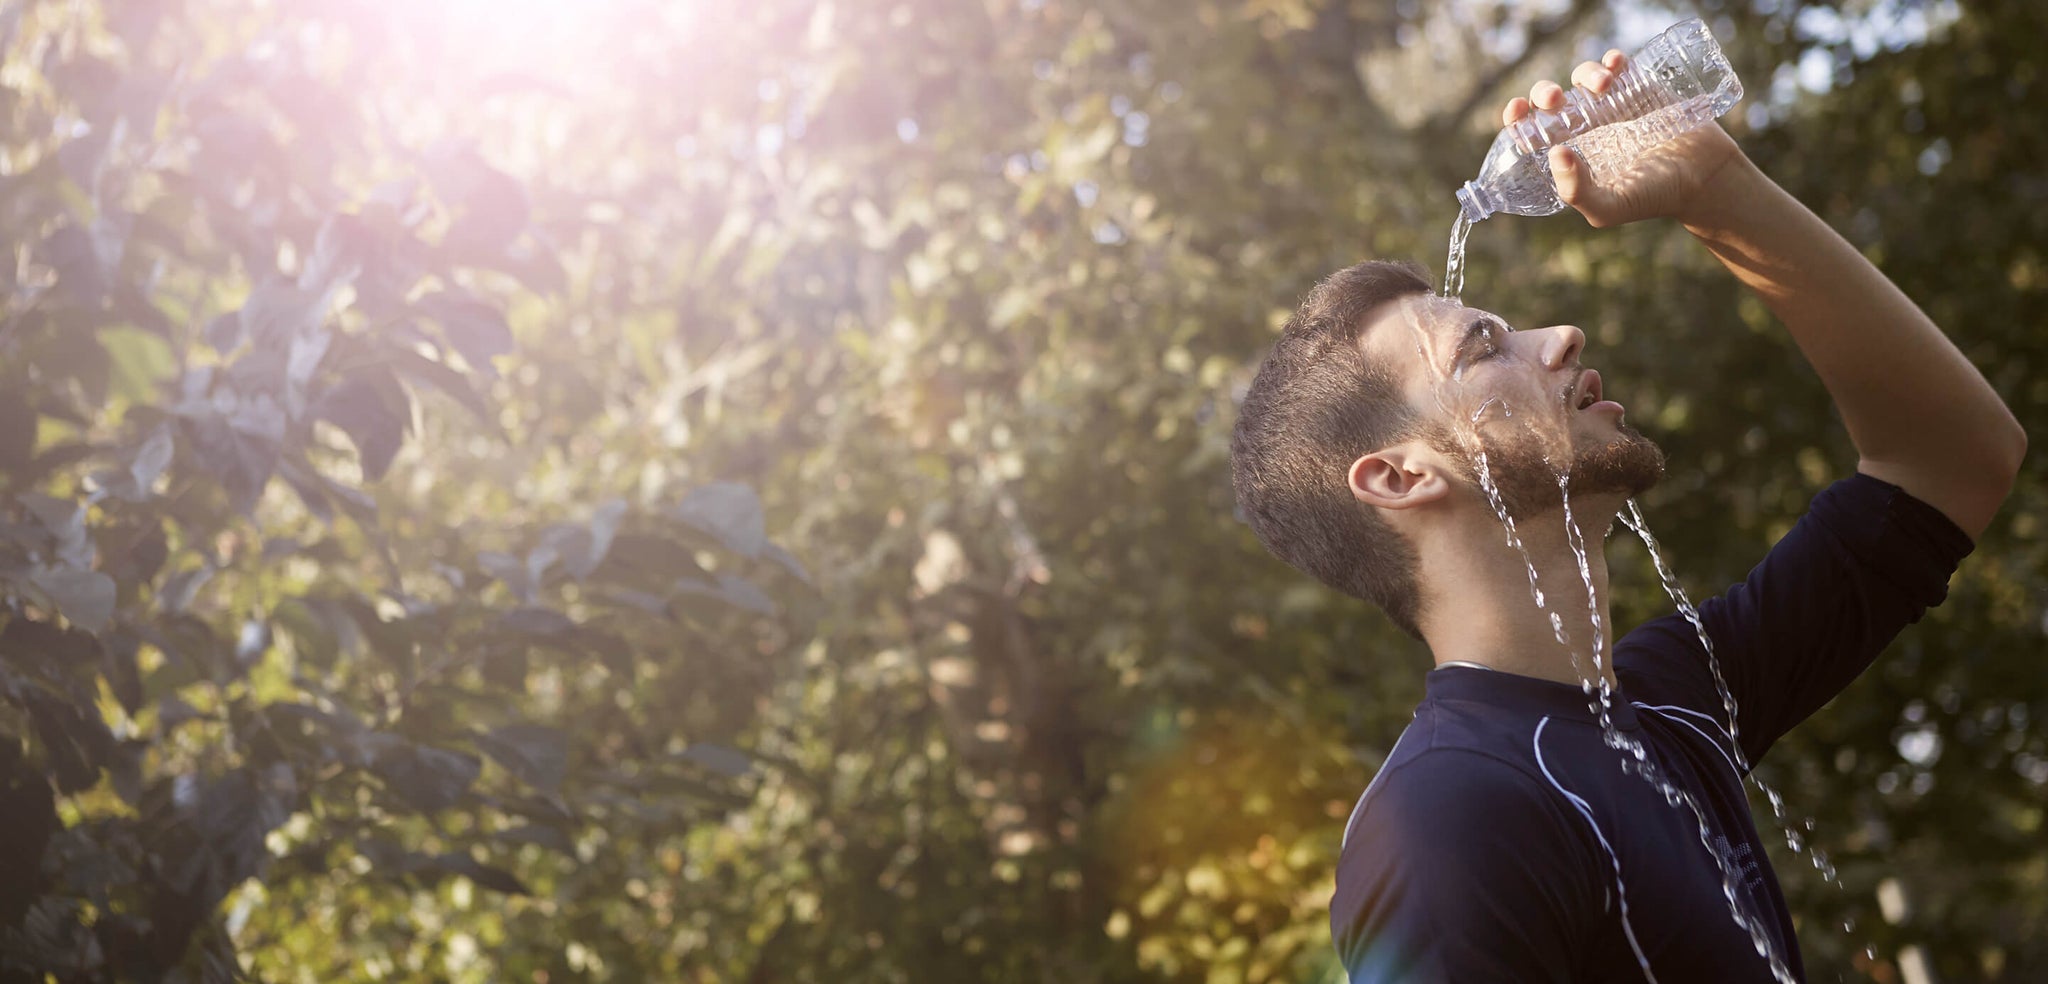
(1921,415)
(1672,180)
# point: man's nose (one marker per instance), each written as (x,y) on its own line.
(1561,346)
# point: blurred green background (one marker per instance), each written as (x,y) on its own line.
(737,490)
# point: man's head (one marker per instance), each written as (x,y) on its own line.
(1381,406)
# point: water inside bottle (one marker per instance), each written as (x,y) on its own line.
(1612,149)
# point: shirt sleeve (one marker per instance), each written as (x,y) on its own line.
(1462,868)
(1865,561)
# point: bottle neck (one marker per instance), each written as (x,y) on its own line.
(1475,202)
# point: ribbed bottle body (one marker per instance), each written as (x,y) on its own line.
(1680,80)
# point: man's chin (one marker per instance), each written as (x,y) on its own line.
(1629,465)
(1624,466)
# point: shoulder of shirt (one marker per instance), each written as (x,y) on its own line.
(1862,493)
(1469,802)
(1455,771)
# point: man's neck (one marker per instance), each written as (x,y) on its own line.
(1483,611)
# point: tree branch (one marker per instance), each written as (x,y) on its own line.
(1482,90)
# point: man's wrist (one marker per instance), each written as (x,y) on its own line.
(1726,194)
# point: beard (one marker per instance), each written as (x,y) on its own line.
(1527,479)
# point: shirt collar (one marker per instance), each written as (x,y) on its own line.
(1525,693)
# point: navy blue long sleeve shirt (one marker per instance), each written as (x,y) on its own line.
(1502,841)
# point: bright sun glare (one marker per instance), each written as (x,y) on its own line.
(516,34)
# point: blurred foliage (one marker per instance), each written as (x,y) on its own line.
(397,402)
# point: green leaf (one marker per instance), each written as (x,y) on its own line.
(235,814)
(729,511)
(446,380)
(124,677)
(64,521)
(640,558)
(372,409)
(327,731)
(535,753)
(175,594)
(173,711)
(152,458)
(788,562)
(278,311)
(732,590)
(55,654)
(243,462)
(508,569)
(338,252)
(431,779)
(304,356)
(310,486)
(474,328)
(82,275)
(604,527)
(490,205)
(194,646)
(78,742)
(31,815)
(85,597)
(720,758)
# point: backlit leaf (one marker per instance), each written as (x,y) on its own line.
(729,511)
(85,597)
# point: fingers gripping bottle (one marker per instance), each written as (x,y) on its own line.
(1677,82)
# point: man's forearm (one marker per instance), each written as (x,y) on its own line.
(1914,405)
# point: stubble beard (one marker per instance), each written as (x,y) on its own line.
(1522,470)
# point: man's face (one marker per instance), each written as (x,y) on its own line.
(1518,401)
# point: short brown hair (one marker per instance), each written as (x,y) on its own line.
(1316,405)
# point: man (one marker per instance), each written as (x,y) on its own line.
(1384,443)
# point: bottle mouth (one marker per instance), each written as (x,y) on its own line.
(1475,203)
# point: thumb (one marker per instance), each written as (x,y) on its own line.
(1573,177)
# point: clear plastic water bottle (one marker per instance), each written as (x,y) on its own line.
(1678,81)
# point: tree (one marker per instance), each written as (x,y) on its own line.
(395,416)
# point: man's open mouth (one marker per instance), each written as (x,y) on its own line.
(1588,390)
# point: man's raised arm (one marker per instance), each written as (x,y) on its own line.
(1922,417)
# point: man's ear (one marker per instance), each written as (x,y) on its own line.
(1401,476)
